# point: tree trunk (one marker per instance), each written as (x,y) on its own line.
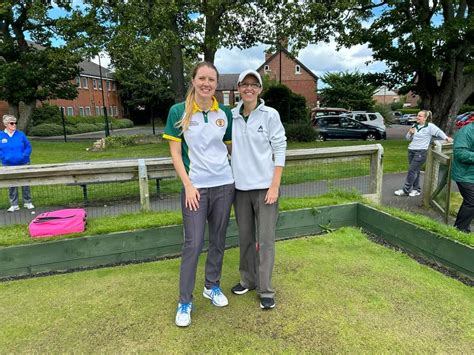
(177,66)
(22,112)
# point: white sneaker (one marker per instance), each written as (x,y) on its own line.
(400,192)
(13,208)
(414,193)
(183,314)
(216,296)
(29,206)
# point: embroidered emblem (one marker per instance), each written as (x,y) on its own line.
(4,140)
(220,122)
(194,123)
(260,129)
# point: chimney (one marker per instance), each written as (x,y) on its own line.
(283,43)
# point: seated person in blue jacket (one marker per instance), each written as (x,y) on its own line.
(15,149)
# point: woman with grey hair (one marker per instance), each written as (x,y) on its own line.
(15,149)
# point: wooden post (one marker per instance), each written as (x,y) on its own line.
(428,180)
(376,175)
(143,182)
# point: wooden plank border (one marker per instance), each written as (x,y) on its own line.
(151,244)
(109,249)
(448,252)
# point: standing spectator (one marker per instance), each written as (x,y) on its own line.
(15,149)
(420,135)
(463,174)
(198,131)
(258,157)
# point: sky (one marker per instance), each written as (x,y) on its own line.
(319,58)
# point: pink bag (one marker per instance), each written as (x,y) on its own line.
(58,222)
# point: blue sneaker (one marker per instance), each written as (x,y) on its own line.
(183,314)
(216,296)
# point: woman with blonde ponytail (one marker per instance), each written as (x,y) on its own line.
(420,134)
(199,132)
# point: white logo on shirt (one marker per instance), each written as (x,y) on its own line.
(4,140)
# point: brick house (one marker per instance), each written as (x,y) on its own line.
(280,66)
(89,99)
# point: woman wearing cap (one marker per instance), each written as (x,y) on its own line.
(463,173)
(258,157)
(420,135)
(15,149)
(198,131)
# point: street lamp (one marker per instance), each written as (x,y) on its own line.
(107,132)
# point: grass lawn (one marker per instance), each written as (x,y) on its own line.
(395,151)
(335,293)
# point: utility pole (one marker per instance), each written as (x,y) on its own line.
(107,131)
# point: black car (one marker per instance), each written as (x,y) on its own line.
(341,127)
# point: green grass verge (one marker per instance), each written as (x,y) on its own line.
(18,234)
(395,152)
(338,293)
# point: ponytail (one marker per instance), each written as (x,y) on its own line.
(428,115)
(184,122)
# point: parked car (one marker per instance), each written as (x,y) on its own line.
(342,127)
(408,119)
(325,111)
(369,118)
(396,115)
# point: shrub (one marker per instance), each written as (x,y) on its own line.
(46,114)
(120,141)
(466,108)
(291,106)
(71,129)
(384,110)
(300,132)
(47,129)
(122,123)
(86,127)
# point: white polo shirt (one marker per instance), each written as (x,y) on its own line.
(203,144)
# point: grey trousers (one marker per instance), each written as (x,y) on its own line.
(214,207)
(416,159)
(13,195)
(257,223)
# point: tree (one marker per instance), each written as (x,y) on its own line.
(179,30)
(290,106)
(427,45)
(348,90)
(31,71)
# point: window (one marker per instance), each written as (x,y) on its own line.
(97,111)
(372,116)
(236,97)
(85,83)
(115,111)
(100,84)
(88,111)
(108,85)
(70,111)
(360,117)
(226,97)
(94,84)
(114,85)
(111,111)
(81,111)
(266,68)
(297,69)
(78,82)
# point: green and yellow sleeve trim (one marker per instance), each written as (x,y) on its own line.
(171,138)
(228,142)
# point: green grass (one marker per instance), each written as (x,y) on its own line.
(395,152)
(18,234)
(338,293)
